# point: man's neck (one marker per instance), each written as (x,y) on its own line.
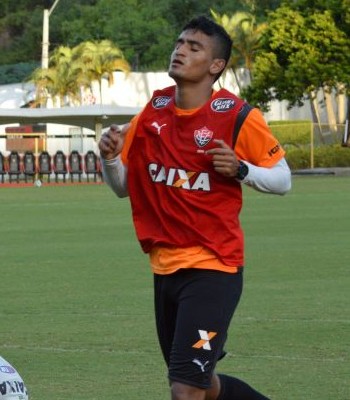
(188,97)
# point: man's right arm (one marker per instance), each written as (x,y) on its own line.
(115,175)
(113,170)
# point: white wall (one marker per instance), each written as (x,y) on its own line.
(136,88)
(133,89)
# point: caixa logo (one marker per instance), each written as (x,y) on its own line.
(160,101)
(179,178)
(222,105)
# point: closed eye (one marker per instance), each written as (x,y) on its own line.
(193,44)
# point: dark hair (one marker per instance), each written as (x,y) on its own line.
(211,28)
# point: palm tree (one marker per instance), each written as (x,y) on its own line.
(44,82)
(99,60)
(61,81)
(246,35)
(70,70)
(69,74)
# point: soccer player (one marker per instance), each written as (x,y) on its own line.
(182,161)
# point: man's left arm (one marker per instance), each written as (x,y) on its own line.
(275,179)
(257,159)
(262,157)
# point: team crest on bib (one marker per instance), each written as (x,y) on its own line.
(202,136)
(160,101)
(222,105)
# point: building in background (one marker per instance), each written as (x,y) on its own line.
(128,90)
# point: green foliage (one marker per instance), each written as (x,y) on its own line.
(258,7)
(246,35)
(295,137)
(329,156)
(295,133)
(143,30)
(302,52)
(141,35)
(180,11)
(332,155)
(15,73)
(70,70)
(22,33)
(340,10)
(298,158)
(21,27)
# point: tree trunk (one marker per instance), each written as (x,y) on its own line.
(341,97)
(314,108)
(315,114)
(233,73)
(332,121)
(96,90)
(346,139)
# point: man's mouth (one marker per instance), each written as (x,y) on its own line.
(176,62)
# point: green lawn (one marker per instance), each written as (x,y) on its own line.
(76,315)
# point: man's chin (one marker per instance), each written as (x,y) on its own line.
(174,74)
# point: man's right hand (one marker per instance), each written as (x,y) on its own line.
(111,143)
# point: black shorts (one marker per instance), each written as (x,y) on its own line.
(193,311)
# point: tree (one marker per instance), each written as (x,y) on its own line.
(72,70)
(260,7)
(246,35)
(145,30)
(339,9)
(302,55)
(99,60)
(21,24)
(139,28)
(59,82)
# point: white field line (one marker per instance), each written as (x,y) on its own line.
(138,352)
(237,317)
(298,320)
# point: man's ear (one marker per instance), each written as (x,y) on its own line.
(217,66)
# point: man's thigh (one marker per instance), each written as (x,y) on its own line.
(206,301)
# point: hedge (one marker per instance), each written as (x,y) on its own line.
(324,156)
(295,137)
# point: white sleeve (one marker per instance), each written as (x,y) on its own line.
(115,173)
(275,180)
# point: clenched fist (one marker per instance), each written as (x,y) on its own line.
(112,141)
(224,159)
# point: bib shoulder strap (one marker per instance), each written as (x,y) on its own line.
(241,116)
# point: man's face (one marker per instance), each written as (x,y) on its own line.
(192,57)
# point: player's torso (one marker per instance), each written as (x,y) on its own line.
(172,145)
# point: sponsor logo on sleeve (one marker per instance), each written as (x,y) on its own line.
(274,150)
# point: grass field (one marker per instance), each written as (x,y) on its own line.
(76,315)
